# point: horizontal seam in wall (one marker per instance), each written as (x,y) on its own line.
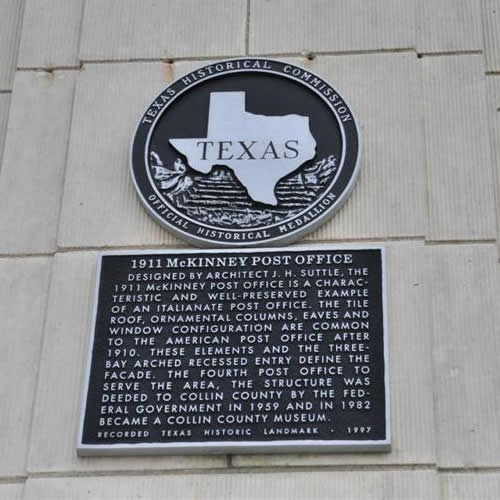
(26,255)
(51,69)
(468,470)
(493,72)
(107,248)
(5,91)
(13,479)
(262,470)
(168,60)
(240,470)
(68,249)
(388,239)
(306,54)
(313,53)
(486,241)
(450,53)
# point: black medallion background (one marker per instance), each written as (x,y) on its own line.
(289,94)
(266,95)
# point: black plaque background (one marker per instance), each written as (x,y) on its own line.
(115,268)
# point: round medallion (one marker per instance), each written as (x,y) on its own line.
(245,152)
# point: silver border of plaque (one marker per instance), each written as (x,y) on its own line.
(289,237)
(235,447)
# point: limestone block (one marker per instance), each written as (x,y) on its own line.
(482,486)
(340,485)
(491,29)
(11,16)
(449,26)
(147,29)
(51,33)
(4,116)
(12,491)
(493,85)
(100,205)
(465,286)
(33,162)
(293,26)
(460,184)
(410,371)
(60,386)
(384,92)
(23,296)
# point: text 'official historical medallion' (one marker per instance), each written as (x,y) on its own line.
(245,152)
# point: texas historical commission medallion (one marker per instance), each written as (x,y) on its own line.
(245,152)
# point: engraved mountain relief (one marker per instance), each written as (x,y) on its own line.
(219,198)
(259,150)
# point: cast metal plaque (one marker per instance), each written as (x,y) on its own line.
(245,152)
(234,351)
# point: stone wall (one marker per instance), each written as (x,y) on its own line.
(423,78)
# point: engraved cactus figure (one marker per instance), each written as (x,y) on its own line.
(175,179)
(319,172)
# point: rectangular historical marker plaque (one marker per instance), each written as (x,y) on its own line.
(259,350)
